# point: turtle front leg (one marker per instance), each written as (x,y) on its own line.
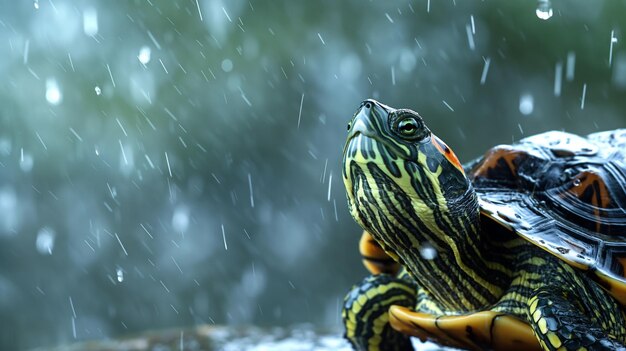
(559,324)
(375,258)
(366,313)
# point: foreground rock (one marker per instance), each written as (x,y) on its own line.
(219,338)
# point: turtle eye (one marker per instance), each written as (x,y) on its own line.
(408,127)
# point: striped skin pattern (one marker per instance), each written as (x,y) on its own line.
(561,326)
(365,313)
(409,192)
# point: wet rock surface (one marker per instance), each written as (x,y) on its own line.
(214,338)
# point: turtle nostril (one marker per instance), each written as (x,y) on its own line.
(368,105)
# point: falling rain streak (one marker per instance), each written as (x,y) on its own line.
(447,105)
(321,39)
(122,245)
(74,327)
(123,153)
(483,76)
(111,75)
(300,110)
(72,307)
(251,191)
(146,230)
(470,37)
(167,160)
(75,134)
(558,78)
(41,141)
(330,184)
(613,41)
(224,237)
(199,11)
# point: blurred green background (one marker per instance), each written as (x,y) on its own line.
(171,163)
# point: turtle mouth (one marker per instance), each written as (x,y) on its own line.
(361,148)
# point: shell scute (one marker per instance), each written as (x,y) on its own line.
(565,194)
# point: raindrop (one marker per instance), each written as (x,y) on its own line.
(227,65)
(120,274)
(180,219)
(544,9)
(144,55)
(98,90)
(407,60)
(53,92)
(427,251)
(526,104)
(45,241)
(90,22)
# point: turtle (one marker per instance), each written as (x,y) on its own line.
(523,248)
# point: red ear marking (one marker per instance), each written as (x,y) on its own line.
(447,152)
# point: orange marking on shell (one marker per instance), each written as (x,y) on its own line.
(447,152)
(601,196)
(493,156)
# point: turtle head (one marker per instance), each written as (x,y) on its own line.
(404,185)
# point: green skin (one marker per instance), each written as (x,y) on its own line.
(404,188)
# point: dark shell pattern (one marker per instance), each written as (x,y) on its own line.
(564,193)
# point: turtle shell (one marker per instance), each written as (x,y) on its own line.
(565,194)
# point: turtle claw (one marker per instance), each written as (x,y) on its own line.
(475,331)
